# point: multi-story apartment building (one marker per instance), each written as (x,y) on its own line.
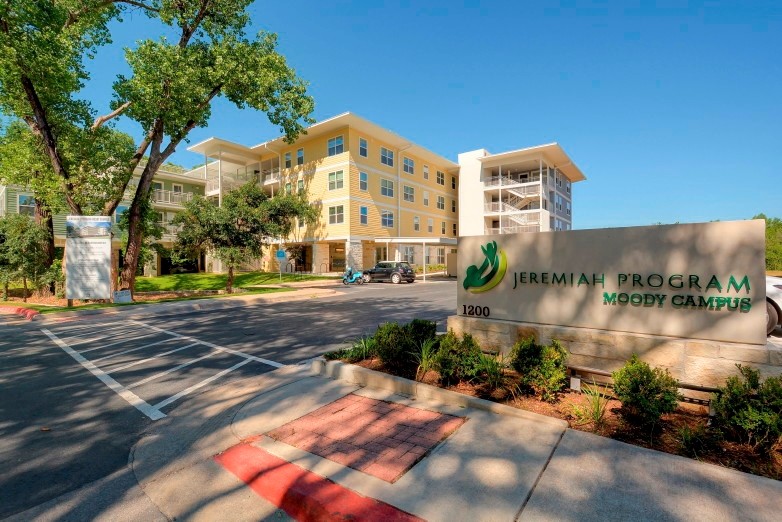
(380,196)
(526,190)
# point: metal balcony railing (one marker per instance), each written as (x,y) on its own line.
(170,197)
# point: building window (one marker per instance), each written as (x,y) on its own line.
(386,157)
(300,186)
(416,223)
(567,208)
(387,188)
(453,182)
(26,204)
(363,181)
(426,198)
(409,194)
(387,218)
(440,178)
(336,180)
(442,228)
(336,146)
(287,160)
(157,185)
(363,213)
(567,187)
(300,157)
(121,209)
(440,255)
(300,222)
(453,205)
(408,165)
(362,147)
(336,215)
(426,171)
(408,254)
(430,225)
(440,202)
(176,188)
(287,188)
(454,230)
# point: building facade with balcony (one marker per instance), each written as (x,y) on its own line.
(379,195)
(525,190)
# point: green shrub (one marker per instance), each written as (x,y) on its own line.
(359,350)
(490,369)
(396,344)
(541,367)
(750,410)
(596,406)
(692,441)
(425,357)
(457,359)
(646,393)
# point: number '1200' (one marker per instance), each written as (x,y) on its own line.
(477,311)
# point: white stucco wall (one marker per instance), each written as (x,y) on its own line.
(471,221)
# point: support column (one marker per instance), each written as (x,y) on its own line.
(320,258)
(354,254)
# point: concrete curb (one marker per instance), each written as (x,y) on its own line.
(338,370)
(27,313)
(198,305)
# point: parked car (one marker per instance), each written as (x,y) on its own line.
(773,303)
(394,271)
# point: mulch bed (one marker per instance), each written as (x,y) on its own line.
(667,436)
(15,296)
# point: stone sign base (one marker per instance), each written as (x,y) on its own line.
(691,361)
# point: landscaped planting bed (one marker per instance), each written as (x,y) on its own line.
(744,435)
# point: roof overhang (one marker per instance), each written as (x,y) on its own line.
(227,150)
(450,241)
(554,155)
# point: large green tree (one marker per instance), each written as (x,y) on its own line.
(237,231)
(169,90)
(23,255)
(773,242)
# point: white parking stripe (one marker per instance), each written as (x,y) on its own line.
(136,349)
(97,338)
(152,412)
(211,345)
(75,335)
(80,326)
(142,361)
(164,403)
(175,368)
(124,340)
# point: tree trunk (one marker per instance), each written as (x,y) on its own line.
(229,285)
(43,216)
(24,290)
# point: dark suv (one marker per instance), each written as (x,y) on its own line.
(394,271)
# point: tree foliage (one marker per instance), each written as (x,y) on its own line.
(237,231)
(773,242)
(171,84)
(23,255)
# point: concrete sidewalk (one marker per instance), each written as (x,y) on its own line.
(343,441)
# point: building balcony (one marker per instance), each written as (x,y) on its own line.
(169,231)
(169,197)
(512,229)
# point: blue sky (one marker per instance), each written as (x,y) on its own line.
(671,108)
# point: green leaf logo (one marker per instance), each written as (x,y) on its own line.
(490,273)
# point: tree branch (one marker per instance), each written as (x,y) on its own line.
(172,145)
(74,16)
(189,30)
(100,120)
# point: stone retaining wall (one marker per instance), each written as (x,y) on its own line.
(703,363)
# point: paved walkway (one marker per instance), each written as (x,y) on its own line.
(352,447)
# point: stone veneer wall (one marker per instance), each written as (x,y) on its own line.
(691,361)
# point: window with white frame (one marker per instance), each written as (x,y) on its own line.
(567,207)
(26,204)
(387,188)
(336,180)
(287,160)
(363,181)
(300,157)
(454,229)
(426,198)
(416,223)
(177,188)
(442,228)
(288,188)
(453,205)
(440,202)
(430,225)
(409,194)
(408,254)
(567,186)
(301,222)
(336,146)
(426,171)
(386,157)
(408,165)
(387,219)
(440,255)
(300,186)
(336,215)
(363,147)
(363,213)
(453,182)
(440,178)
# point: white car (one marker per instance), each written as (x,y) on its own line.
(773,303)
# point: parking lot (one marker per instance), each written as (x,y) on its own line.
(149,367)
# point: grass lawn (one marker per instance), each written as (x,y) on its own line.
(216,281)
